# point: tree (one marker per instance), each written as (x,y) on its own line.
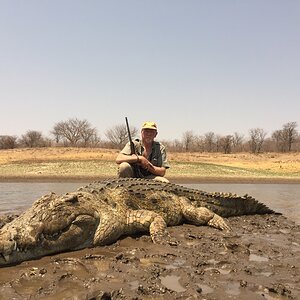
(90,138)
(285,137)
(257,137)
(8,142)
(199,143)
(75,132)
(226,143)
(32,139)
(217,143)
(209,141)
(188,139)
(175,145)
(118,135)
(277,137)
(289,134)
(237,142)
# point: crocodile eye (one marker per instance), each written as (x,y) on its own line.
(72,198)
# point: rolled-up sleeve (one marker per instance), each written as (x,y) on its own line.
(127,149)
(164,159)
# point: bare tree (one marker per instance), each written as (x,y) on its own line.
(285,137)
(226,143)
(297,143)
(257,137)
(218,143)
(209,141)
(289,134)
(188,140)
(237,142)
(32,139)
(175,145)
(90,138)
(118,135)
(74,132)
(199,143)
(8,142)
(277,137)
(269,145)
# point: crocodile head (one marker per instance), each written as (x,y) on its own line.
(53,224)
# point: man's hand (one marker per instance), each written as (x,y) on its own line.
(150,167)
(146,164)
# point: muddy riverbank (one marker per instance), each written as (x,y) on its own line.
(258,259)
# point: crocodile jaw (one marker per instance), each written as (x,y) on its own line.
(79,234)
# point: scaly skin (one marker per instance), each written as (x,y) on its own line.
(101,212)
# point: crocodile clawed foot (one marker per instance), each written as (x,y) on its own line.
(219,223)
(173,242)
(163,238)
(159,233)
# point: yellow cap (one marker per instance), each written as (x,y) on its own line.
(149,125)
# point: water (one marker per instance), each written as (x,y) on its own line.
(18,196)
(284,198)
(172,282)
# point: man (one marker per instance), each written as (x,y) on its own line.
(150,157)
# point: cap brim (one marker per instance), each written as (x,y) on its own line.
(148,127)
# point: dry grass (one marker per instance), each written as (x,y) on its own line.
(276,162)
(54,154)
(74,163)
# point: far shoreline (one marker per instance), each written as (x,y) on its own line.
(178,180)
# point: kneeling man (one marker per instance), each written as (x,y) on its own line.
(149,160)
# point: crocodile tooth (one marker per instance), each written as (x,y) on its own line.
(5,256)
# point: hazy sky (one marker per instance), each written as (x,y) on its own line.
(223,66)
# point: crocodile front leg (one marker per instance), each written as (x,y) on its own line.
(202,216)
(148,221)
(110,228)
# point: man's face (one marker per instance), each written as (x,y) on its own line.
(148,135)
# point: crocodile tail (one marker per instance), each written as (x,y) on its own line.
(236,206)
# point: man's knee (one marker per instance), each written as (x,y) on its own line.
(161,179)
(157,178)
(125,170)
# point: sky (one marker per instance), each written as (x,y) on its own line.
(189,65)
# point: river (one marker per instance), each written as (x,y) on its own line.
(15,197)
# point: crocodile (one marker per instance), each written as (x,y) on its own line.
(101,212)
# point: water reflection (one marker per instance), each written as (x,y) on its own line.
(284,198)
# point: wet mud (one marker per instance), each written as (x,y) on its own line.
(258,259)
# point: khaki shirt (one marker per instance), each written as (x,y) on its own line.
(158,155)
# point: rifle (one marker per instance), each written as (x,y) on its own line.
(136,169)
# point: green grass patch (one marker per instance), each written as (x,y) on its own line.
(180,169)
(90,168)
